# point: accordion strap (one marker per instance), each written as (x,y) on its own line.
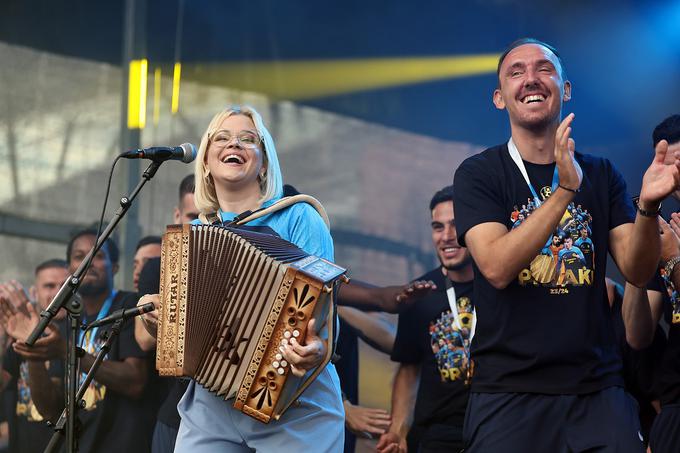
(247,216)
(282,204)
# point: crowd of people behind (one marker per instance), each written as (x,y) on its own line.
(513,342)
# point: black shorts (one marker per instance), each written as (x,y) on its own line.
(438,438)
(604,421)
(664,437)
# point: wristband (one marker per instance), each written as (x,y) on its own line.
(645,213)
(568,189)
(670,265)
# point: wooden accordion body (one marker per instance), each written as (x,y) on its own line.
(229,298)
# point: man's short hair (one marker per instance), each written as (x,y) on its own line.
(146,240)
(188,185)
(110,244)
(523,41)
(668,129)
(49,264)
(289,191)
(445,194)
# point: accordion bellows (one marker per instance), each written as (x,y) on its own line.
(229,298)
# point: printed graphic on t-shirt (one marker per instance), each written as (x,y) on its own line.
(25,406)
(95,391)
(449,339)
(672,295)
(568,257)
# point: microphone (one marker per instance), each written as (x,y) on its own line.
(123,314)
(186,152)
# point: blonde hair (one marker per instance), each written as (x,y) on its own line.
(271,186)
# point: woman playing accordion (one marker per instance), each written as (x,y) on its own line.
(237,170)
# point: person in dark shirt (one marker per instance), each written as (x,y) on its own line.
(642,315)
(430,390)
(115,417)
(28,430)
(147,248)
(547,372)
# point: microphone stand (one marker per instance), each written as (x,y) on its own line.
(68,415)
(65,298)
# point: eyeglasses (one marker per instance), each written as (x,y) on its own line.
(247,139)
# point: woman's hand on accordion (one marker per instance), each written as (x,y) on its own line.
(146,325)
(303,358)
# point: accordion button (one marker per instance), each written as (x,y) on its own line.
(278,356)
(284,363)
(281,371)
(296,333)
(286,334)
(275,364)
(284,341)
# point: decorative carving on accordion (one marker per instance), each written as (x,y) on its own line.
(169,329)
(256,395)
(263,342)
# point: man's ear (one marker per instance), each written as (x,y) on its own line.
(567,91)
(498,99)
(114,268)
(176,215)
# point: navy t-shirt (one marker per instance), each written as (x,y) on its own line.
(428,334)
(28,430)
(113,422)
(668,378)
(549,331)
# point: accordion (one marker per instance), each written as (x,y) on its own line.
(229,297)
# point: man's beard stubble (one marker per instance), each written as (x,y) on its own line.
(456,267)
(93,289)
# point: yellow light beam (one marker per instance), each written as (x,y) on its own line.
(175,87)
(137,79)
(306,79)
(156,96)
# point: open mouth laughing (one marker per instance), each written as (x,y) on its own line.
(533,98)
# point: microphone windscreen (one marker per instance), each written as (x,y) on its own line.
(189,152)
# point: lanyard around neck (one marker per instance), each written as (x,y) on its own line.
(517,158)
(451,295)
(103,311)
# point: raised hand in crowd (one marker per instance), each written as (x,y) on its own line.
(675,223)
(670,241)
(660,180)
(411,293)
(18,315)
(569,170)
(391,299)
